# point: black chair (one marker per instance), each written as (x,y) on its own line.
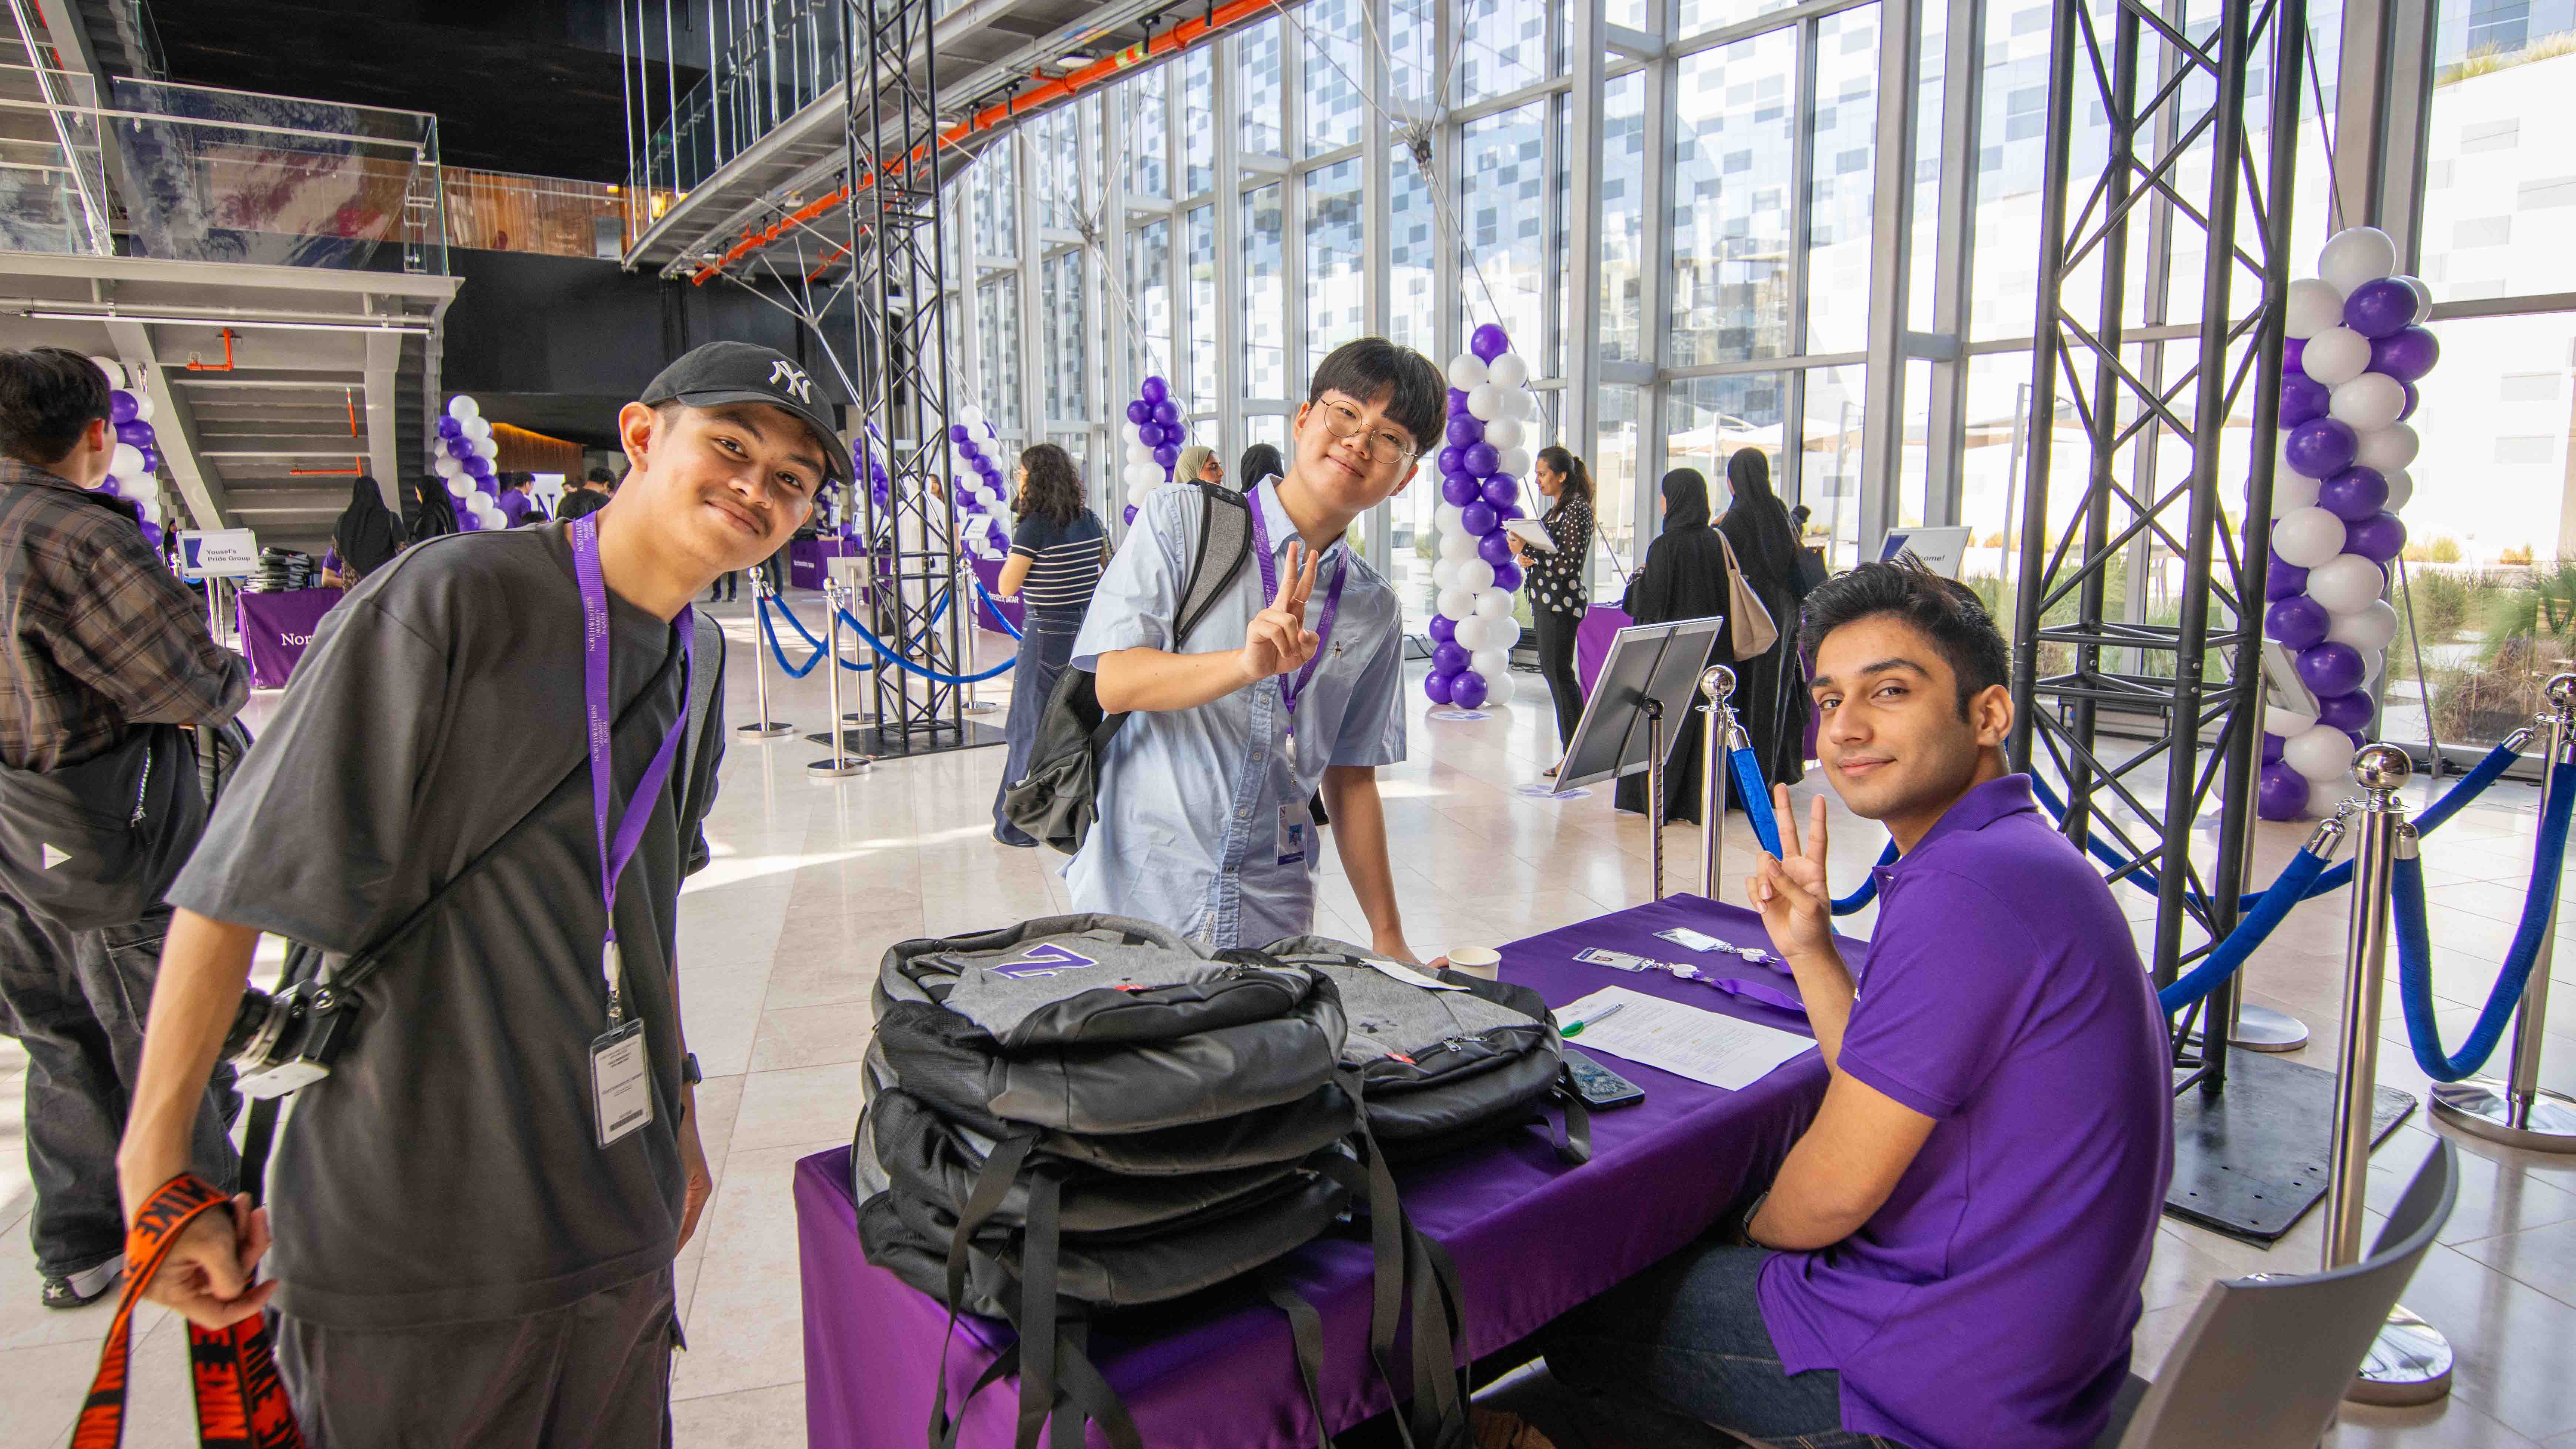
(2265,1361)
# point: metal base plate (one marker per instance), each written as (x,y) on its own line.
(834,769)
(2479,1106)
(891,745)
(2408,1364)
(769,729)
(2261,1029)
(2251,1160)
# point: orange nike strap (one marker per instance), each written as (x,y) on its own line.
(241,1403)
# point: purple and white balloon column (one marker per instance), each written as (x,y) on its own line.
(134,464)
(1154,434)
(980,493)
(2357,345)
(464,455)
(1480,469)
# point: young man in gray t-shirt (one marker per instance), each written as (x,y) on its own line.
(470,1246)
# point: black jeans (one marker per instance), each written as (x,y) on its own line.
(1556,629)
(726,587)
(76,1000)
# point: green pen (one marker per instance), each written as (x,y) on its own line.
(1577,1028)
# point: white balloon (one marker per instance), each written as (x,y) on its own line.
(446,467)
(971,415)
(2423,299)
(1450,518)
(2287,724)
(1506,433)
(2346,583)
(1502,634)
(2355,255)
(2308,537)
(1499,690)
(1520,403)
(2401,486)
(461,407)
(144,406)
(2388,448)
(1467,372)
(109,368)
(1508,371)
(1471,632)
(2292,490)
(1134,434)
(1475,575)
(1494,604)
(2312,307)
(2323,754)
(2335,356)
(1457,546)
(486,449)
(143,488)
(1485,402)
(2370,627)
(1516,461)
(457,485)
(1491,663)
(478,427)
(1137,493)
(1139,453)
(2370,401)
(1444,575)
(125,460)
(2372,661)
(1456,604)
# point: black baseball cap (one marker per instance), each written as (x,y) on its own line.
(746,372)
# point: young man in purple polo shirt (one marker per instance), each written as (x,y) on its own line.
(1950,1256)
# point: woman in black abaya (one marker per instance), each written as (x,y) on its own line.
(368,534)
(1684,577)
(1771,687)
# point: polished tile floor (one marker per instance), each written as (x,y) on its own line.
(813,880)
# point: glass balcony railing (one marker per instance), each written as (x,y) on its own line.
(762,68)
(504,211)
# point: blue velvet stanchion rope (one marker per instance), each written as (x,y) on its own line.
(1868,885)
(998,616)
(933,675)
(769,631)
(1757,801)
(2415,946)
(2250,932)
(2471,786)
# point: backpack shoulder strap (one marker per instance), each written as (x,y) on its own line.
(1225,545)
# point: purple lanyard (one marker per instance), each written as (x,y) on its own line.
(613,856)
(1289,688)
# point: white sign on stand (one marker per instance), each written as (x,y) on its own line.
(230,553)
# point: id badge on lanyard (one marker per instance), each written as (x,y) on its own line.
(621,1075)
(1296,830)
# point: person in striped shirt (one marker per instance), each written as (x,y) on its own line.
(1056,556)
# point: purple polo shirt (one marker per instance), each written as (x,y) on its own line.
(1988,1303)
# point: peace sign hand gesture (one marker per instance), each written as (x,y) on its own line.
(1797,909)
(1277,640)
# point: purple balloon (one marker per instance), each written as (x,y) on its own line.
(1131,513)
(1149,433)
(151,533)
(1451,459)
(1511,511)
(1502,490)
(121,406)
(1435,687)
(2345,711)
(1489,342)
(1448,658)
(2353,494)
(1165,456)
(106,487)
(2272,748)
(2381,308)
(2297,622)
(1443,629)
(151,458)
(2282,795)
(138,434)
(2357,737)
(2303,399)
(2330,668)
(2292,349)
(960,434)
(1458,402)
(1478,519)
(1140,412)
(2405,354)
(1167,412)
(1495,548)
(2321,448)
(1483,458)
(1467,690)
(1465,432)
(1154,390)
(2412,398)
(2282,580)
(1507,577)
(1458,489)
(2378,538)
(450,428)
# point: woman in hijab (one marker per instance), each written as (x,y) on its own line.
(432,513)
(1684,577)
(1260,461)
(368,534)
(1771,687)
(1198,464)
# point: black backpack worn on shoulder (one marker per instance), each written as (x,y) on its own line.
(1057,800)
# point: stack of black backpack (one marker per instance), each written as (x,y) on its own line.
(1084,1113)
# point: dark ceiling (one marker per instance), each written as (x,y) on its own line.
(534,87)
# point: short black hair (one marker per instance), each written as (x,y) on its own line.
(48,397)
(1372,369)
(1946,610)
(602,475)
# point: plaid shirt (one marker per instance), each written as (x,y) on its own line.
(98,633)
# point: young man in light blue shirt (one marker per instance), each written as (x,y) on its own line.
(1204,824)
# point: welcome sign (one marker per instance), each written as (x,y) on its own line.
(277,628)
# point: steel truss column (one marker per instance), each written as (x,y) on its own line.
(900,344)
(2173,127)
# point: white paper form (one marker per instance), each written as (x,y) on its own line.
(1705,1046)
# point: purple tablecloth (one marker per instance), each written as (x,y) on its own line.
(805,559)
(991,615)
(1532,1238)
(276,628)
(1601,623)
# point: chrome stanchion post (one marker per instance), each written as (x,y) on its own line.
(1717,685)
(2517,1110)
(763,728)
(841,762)
(1655,788)
(2410,1363)
(968,589)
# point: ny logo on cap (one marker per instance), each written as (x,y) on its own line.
(788,377)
